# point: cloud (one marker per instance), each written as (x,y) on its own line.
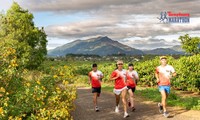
(113,6)
(150,43)
(120,28)
(75,5)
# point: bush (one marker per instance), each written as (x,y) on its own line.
(34,95)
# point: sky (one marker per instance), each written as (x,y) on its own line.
(131,22)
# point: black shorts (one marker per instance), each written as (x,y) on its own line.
(96,89)
(132,88)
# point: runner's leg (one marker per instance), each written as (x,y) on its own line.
(95,99)
(131,97)
(124,99)
(164,96)
(117,99)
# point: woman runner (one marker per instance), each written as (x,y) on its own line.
(119,76)
(132,78)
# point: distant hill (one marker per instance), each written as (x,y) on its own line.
(165,51)
(98,46)
(177,48)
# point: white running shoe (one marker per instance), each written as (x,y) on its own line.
(96,108)
(166,114)
(126,115)
(117,109)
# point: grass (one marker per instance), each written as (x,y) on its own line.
(173,99)
(152,94)
(107,87)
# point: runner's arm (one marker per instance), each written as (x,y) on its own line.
(137,78)
(174,74)
(89,79)
(101,75)
(113,78)
(157,78)
(156,75)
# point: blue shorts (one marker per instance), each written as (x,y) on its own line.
(165,88)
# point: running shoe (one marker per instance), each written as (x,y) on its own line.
(117,109)
(96,108)
(160,108)
(133,109)
(126,115)
(166,114)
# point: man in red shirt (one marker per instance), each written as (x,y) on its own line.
(95,77)
(119,76)
(163,74)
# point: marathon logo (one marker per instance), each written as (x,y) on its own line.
(170,17)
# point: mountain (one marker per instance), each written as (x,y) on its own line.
(98,46)
(177,48)
(164,51)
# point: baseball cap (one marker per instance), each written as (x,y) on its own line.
(119,62)
(163,57)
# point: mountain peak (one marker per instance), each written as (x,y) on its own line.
(102,38)
(98,46)
(105,39)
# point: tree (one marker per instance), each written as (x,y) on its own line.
(17,24)
(190,44)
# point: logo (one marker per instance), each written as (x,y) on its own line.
(170,17)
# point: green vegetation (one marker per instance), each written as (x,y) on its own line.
(30,94)
(190,44)
(173,100)
(29,41)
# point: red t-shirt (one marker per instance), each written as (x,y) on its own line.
(95,78)
(131,80)
(164,74)
(120,81)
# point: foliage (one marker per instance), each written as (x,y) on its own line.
(10,63)
(190,44)
(33,95)
(17,24)
(188,77)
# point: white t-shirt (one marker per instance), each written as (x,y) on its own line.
(95,76)
(164,74)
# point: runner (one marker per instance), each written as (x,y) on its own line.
(132,78)
(163,74)
(119,75)
(95,77)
